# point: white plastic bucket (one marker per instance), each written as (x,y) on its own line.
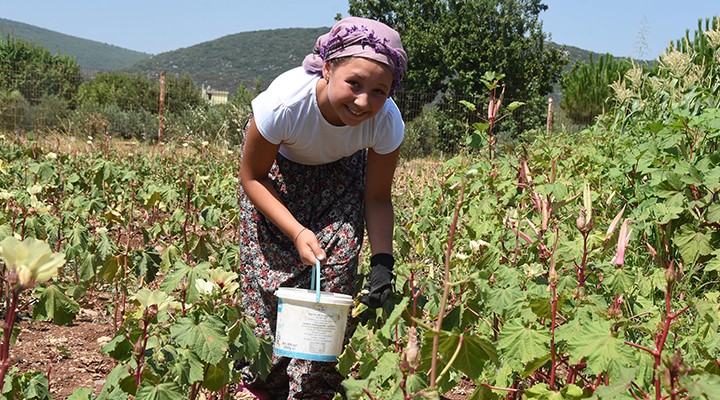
(310,329)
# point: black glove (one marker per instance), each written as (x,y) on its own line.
(379,282)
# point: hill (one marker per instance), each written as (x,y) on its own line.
(241,58)
(223,64)
(90,55)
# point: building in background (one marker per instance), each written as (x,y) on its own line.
(214,97)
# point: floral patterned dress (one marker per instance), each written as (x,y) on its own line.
(327,199)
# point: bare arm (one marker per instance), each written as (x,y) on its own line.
(379,215)
(258,156)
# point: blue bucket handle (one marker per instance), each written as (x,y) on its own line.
(315,280)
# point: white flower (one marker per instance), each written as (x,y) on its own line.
(205,143)
(39,206)
(155,298)
(34,189)
(31,259)
(225,280)
(185,144)
(203,286)
(6,195)
(51,156)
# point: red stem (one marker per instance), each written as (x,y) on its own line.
(7,334)
(446,287)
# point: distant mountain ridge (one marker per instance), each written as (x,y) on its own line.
(237,59)
(90,55)
(222,64)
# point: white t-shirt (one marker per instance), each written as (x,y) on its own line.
(287,114)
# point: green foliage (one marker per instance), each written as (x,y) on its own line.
(135,92)
(126,224)
(586,88)
(35,72)
(14,111)
(421,135)
(537,269)
(451,43)
(53,304)
(238,60)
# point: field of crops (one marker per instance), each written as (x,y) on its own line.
(569,266)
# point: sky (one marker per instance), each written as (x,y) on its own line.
(640,29)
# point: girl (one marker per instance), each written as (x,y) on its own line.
(319,156)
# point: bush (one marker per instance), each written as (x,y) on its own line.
(87,121)
(422,135)
(49,113)
(14,110)
(138,124)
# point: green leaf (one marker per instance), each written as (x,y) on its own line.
(181,271)
(692,244)
(665,213)
(82,393)
(505,301)
(169,257)
(542,391)
(483,393)
(118,381)
(704,386)
(615,391)
(618,280)
(386,368)
(712,179)
(118,348)
(596,344)
(355,388)
(470,106)
(248,344)
(514,105)
(54,304)
(217,376)
(390,324)
(714,263)
(535,365)
(162,391)
(713,213)
(189,368)
(262,362)
(206,337)
(147,263)
(471,356)
(35,386)
(521,344)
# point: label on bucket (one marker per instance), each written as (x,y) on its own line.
(310,330)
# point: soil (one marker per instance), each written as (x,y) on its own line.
(70,355)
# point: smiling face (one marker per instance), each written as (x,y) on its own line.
(354,90)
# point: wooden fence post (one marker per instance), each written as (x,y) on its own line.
(161,121)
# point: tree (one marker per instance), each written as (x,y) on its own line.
(135,92)
(35,73)
(586,88)
(452,43)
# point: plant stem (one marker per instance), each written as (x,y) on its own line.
(446,287)
(7,334)
(553,323)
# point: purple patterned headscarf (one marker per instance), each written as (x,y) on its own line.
(360,37)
